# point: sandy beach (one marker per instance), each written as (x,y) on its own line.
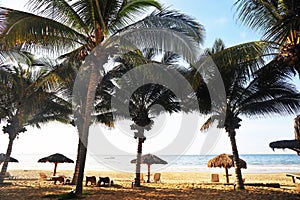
(174,185)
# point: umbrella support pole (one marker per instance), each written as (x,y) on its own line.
(55,166)
(148,181)
(227,175)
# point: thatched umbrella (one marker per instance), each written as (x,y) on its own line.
(290,144)
(286,144)
(56,158)
(150,159)
(226,161)
(2,158)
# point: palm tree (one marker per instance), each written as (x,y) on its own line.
(279,23)
(81,27)
(249,91)
(142,101)
(28,97)
(217,46)
(142,109)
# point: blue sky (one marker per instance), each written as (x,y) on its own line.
(217,17)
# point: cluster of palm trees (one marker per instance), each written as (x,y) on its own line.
(84,36)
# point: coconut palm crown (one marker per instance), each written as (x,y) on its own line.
(279,22)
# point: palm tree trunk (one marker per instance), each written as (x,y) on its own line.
(76,170)
(90,72)
(5,164)
(238,173)
(137,181)
(85,124)
(82,158)
(141,139)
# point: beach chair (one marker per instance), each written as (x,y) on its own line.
(142,180)
(43,176)
(295,176)
(215,178)
(156,177)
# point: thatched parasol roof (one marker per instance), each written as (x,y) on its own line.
(150,159)
(290,144)
(286,144)
(225,160)
(56,158)
(2,158)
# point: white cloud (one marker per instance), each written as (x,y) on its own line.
(221,21)
(243,35)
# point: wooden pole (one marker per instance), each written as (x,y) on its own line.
(227,176)
(55,166)
(148,181)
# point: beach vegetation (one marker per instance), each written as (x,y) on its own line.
(252,89)
(77,30)
(30,95)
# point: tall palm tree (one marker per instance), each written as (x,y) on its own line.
(142,101)
(250,91)
(84,25)
(141,108)
(28,97)
(278,21)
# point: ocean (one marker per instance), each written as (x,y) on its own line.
(257,163)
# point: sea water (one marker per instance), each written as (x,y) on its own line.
(256,163)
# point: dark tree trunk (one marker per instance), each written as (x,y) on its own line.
(238,173)
(137,181)
(5,164)
(82,156)
(76,170)
(93,78)
(91,72)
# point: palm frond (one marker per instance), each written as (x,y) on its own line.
(41,32)
(170,58)
(174,21)
(259,14)
(67,15)
(207,124)
(156,38)
(275,19)
(128,11)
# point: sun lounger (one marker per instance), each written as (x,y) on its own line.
(215,178)
(43,176)
(294,177)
